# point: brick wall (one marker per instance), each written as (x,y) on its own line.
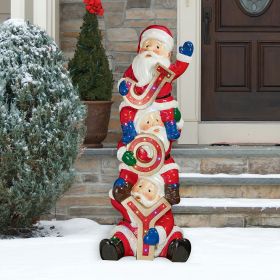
(121,26)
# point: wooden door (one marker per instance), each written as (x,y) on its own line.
(240,60)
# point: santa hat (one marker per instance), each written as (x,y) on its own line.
(157,32)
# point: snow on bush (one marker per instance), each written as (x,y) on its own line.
(41,124)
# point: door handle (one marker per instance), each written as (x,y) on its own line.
(206,18)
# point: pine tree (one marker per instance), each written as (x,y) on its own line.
(90,68)
(41,124)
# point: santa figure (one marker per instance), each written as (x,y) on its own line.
(165,236)
(155,46)
(148,121)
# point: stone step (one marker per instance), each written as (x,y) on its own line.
(195,185)
(232,186)
(202,212)
(197,159)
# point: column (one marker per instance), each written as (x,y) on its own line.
(46,15)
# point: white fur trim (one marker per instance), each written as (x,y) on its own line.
(129,236)
(166,105)
(111,194)
(160,247)
(183,58)
(161,233)
(122,105)
(160,35)
(168,167)
(123,166)
(180,124)
(120,152)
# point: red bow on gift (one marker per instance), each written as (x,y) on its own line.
(94,7)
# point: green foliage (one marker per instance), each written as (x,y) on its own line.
(41,124)
(89,68)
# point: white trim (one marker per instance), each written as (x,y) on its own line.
(46,15)
(129,236)
(189,94)
(183,58)
(160,247)
(120,153)
(239,132)
(160,35)
(18,9)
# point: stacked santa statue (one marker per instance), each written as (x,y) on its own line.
(148,182)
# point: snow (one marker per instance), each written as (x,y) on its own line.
(15,21)
(222,175)
(230,202)
(224,253)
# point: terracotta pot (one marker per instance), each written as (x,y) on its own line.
(97,122)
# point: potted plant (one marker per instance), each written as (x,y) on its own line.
(90,72)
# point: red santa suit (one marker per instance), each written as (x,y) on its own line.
(170,168)
(164,99)
(126,230)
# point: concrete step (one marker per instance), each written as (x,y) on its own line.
(198,159)
(202,212)
(233,186)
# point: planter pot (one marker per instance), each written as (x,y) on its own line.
(97,122)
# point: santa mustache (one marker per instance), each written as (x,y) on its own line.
(143,200)
(144,64)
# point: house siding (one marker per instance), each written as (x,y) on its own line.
(121,26)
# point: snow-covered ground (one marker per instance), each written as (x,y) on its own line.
(229,253)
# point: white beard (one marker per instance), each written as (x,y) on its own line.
(144,67)
(145,202)
(162,135)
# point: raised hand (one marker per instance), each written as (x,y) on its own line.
(123,88)
(187,49)
(128,158)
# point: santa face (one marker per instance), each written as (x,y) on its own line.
(156,46)
(146,192)
(143,65)
(152,123)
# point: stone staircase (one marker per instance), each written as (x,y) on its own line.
(220,187)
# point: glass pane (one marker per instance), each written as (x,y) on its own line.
(254,6)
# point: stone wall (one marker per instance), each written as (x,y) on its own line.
(97,169)
(121,26)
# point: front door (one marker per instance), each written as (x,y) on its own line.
(240,60)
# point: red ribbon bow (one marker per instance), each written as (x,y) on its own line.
(94,7)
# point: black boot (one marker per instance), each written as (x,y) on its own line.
(179,250)
(111,249)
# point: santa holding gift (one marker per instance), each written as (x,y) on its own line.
(165,237)
(155,46)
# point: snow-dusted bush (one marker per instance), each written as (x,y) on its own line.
(41,124)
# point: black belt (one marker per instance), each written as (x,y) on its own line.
(168,95)
(167,157)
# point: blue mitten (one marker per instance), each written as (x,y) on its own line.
(120,182)
(129,132)
(187,49)
(123,88)
(152,237)
(171,130)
